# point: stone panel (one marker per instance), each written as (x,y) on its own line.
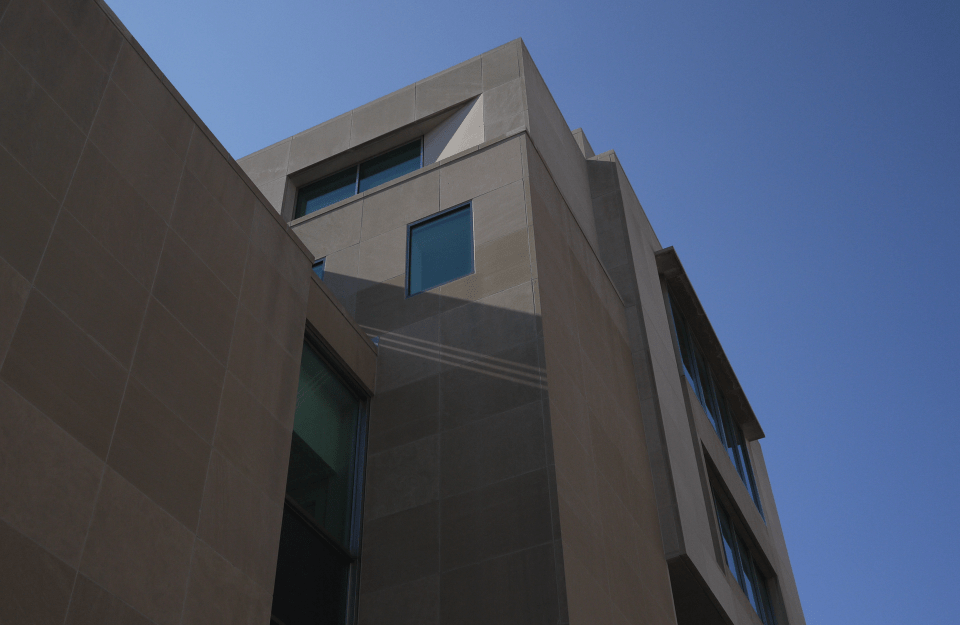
(128,530)
(384,115)
(449,87)
(61,370)
(48,481)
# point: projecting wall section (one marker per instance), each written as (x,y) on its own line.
(459,506)
(613,556)
(457,109)
(152,311)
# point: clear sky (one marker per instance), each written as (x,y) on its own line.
(804,160)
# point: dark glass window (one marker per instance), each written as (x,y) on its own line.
(318,267)
(359,178)
(386,167)
(714,403)
(440,249)
(744,567)
(318,538)
(326,191)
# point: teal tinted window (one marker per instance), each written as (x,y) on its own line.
(386,167)
(439,250)
(744,566)
(714,403)
(321,475)
(318,267)
(326,191)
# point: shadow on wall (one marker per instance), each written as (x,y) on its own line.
(459,438)
(474,335)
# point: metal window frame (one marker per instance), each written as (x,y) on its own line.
(356,177)
(353,551)
(436,216)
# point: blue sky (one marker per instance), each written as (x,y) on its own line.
(804,160)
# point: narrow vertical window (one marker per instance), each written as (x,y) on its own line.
(316,564)
(439,249)
(318,267)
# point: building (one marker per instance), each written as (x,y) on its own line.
(426,362)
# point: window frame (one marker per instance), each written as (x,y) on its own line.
(352,552)
(758,588)
(322,264)
(436,216)
(707,391)
(356,178)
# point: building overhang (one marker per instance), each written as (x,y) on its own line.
(670,267)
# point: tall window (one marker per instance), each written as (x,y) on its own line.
(744,567)
(319,538)
(439,249)
(714,403)
(359,178)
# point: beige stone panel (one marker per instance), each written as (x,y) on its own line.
(402,478)
(500,264)
(499,212)
(210,231)
(127,531)
(319,143)
(58,368)
(332,231)
(449,87)
(220,594)
(92,605)
(483,171)
(383,115)
(140,84)
(461,131)
(384,257)
(500,65)
(178,370)
(93,289)
(35,130)
(239,522)
(514,589)
(401,204)
(413,603)
(137,150)
(48,481)
(46,48)
(36,590)
(26,219)
(119,218)
(14,290)
(273,302)
(267,164)
(156,452)
(503,111)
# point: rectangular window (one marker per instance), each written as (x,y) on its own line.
(744,567)
(393,164)
(359,178)
(318,266)
(326,191)
(317,561)
(439,249)
(714,403)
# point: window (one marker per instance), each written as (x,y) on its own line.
(319,536)
(318,266)
(359,178)
(439,249)
(744,567)
(714,403)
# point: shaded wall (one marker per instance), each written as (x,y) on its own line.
(152,311)
(459,520)
(612,551)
